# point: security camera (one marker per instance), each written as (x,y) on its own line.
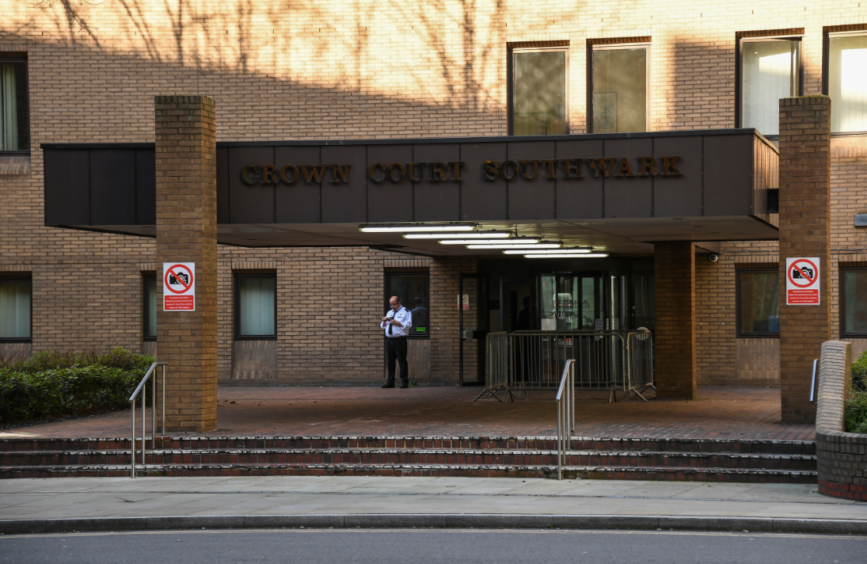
(714,258)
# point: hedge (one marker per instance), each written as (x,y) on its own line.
(856,405)
(59,385)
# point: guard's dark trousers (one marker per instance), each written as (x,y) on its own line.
(395,349)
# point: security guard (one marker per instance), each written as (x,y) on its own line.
(396,324)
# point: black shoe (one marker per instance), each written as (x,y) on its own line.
(403,385)
(389,385)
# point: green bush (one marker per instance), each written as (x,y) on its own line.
(57,385)
(856,413)
(859,374)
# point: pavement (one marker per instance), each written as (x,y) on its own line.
(718,413)
(116,504)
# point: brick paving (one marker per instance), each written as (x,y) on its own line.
(718,413)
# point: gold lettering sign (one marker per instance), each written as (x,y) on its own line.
(435,172)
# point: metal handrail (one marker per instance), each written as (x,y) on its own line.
(565,414)
(132,399)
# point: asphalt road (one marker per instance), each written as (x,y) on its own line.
(430,546)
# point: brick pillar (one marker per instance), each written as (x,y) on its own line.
(185,133)
(674,267)
(805,231)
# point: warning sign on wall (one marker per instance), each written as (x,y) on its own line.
(803,281)
(179,286)
(465,302)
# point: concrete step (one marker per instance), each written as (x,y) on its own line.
(480,457)
(453,443)
(536,471)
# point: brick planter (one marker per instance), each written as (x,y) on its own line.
(841,456)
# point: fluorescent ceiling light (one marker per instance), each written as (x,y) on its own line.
(474,235)
(415,228)
(558,251)
(525,246)
(573,255)
(506,244)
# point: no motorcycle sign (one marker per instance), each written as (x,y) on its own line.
(802,281)
(179,286)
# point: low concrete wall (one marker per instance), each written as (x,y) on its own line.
(842,457)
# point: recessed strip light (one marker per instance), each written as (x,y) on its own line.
(414,228)
(573,255)
(543,251)
(526,246)
(506,244)
(474,235)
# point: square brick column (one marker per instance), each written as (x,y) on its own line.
(186,174)
(674,341)
(805,231)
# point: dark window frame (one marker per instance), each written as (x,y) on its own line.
(753,335)
(28,339)
(237,277)
(842,271)
(827,33)
(387,295)
(21,59)
(620,44)
(510,78)
(145,309)
(739,67)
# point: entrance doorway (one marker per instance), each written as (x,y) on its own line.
(571,302)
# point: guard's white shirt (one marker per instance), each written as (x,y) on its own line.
(404,316)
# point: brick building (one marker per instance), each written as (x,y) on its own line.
(88,73)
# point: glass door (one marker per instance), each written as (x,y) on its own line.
(474,319)
(572,302)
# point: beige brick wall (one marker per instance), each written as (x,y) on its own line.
(336,69)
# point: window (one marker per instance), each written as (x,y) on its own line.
(758,303)
(414,293)
(539,79)
(846,82)
(14,115)
(149,287)
(618,82)
(256,306)
(770,70)
(853,300)
(15,309)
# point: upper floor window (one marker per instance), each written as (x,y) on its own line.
(758,309)
(256,306)
(770,70)
(15,309)
(847,81)
(539,79)
(618,79)
(14,114)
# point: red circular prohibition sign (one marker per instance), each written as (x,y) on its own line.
(171,270)
(810,281)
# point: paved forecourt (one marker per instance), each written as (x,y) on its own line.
(718,413)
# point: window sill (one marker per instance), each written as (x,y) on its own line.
(256,338)
(759,336)
(14,164)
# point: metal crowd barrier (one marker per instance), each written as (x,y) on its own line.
(534,360)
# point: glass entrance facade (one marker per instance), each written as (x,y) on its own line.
(571,295)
